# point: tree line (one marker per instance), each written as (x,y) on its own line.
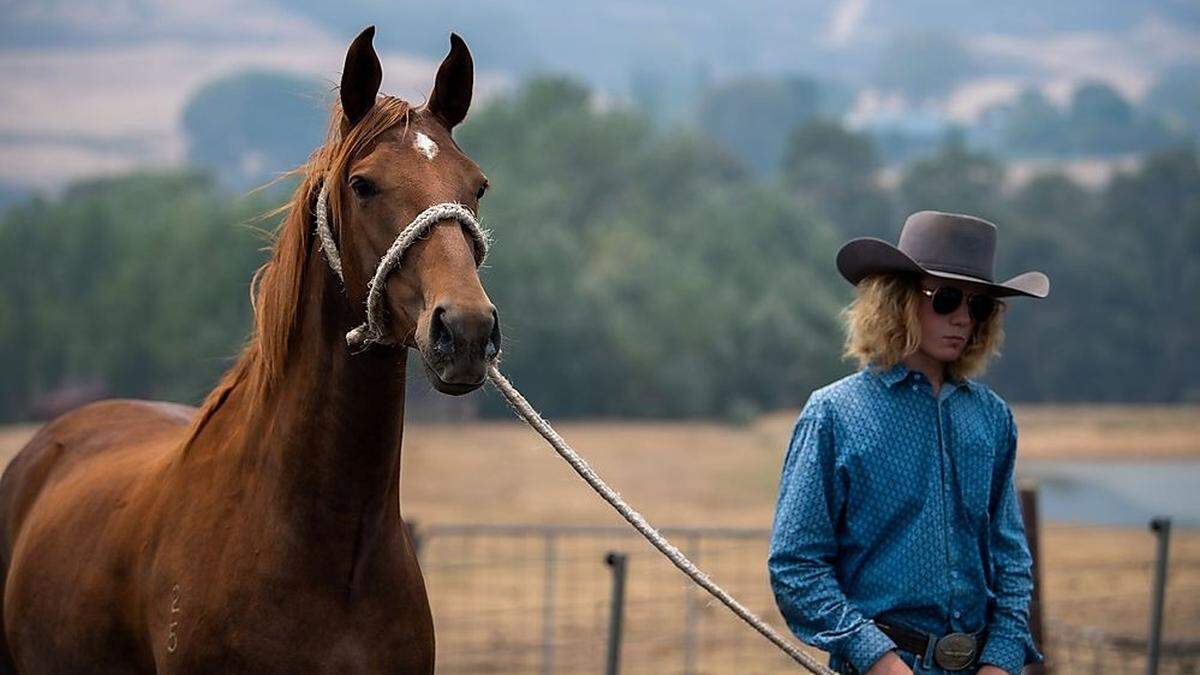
(638,271)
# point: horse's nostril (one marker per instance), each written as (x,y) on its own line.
(440,336)
(493,342)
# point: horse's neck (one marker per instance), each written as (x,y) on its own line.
(323,443)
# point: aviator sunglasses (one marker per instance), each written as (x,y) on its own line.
(946,299)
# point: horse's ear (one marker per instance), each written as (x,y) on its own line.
(361,77)
(451,95)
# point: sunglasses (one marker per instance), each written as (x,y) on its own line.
(946,299)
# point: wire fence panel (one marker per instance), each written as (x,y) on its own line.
(536,599)
(1099,598)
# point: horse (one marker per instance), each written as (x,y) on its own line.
(262,532)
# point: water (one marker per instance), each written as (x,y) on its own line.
(1116,492)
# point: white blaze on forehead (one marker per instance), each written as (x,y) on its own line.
(425,145)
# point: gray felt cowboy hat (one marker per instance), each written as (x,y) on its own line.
(945,245)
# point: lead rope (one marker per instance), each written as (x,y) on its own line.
(370,331)
(585,471)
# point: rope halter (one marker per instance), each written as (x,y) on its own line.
(371,331)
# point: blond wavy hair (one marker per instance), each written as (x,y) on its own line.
(883,327)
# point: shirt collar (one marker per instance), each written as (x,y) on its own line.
(894,375)
(900,373)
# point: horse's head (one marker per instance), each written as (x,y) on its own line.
(395,163)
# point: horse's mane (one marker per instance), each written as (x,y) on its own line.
(276,287)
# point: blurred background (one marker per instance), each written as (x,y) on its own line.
(670,183)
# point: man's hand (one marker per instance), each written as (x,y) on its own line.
(892,664)
(989,669)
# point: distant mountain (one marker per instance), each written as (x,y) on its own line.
(90,23)
(11,194)
(252,126)
(129,67)
(603,40)
(597,39)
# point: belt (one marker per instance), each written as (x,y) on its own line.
(956,651)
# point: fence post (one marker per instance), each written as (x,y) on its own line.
(548,605)
(1161,526)
(1029,514)
(617,562)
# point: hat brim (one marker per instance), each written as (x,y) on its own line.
(862,257)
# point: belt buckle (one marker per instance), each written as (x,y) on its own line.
(955,651)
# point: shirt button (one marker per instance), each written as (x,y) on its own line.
(957,614)
(914,387)
(954,575)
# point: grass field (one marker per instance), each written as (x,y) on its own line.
(701,474)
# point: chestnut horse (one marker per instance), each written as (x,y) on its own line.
(262,532)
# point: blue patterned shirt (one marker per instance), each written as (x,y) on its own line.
(899,505)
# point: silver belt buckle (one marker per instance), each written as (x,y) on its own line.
(955,651)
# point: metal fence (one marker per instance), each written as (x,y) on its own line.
(1078,650)
(537,599)
(1103,607)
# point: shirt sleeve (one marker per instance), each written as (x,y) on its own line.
(1009,643)
(804,548)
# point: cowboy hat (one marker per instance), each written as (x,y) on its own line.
(945,245)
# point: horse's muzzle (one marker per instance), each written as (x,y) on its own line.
(462,343)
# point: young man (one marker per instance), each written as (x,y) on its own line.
(898,544)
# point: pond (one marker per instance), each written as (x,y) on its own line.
(1116,492)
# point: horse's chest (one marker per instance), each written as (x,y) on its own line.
(290,624)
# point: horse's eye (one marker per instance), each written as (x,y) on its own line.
(482,191)
(362,187)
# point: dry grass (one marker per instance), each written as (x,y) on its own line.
(703,474)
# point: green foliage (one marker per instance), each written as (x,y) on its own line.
(1122,319)
(1098,121)
(637,272)
(1153,219)
(955,179)
(138,284)
(752,117)
(1176,95)
(622,266)
(833,170)
(1031,124)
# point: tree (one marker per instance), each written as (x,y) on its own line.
(1153,218)
(955,179)
(137,283)
(1029,125)
(1052,345)
(1101,121)
(834,170)
(645,274)
(253,126)
(1176,95)
(752,117)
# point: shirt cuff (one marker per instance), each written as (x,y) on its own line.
(1005,653)
(868,645)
